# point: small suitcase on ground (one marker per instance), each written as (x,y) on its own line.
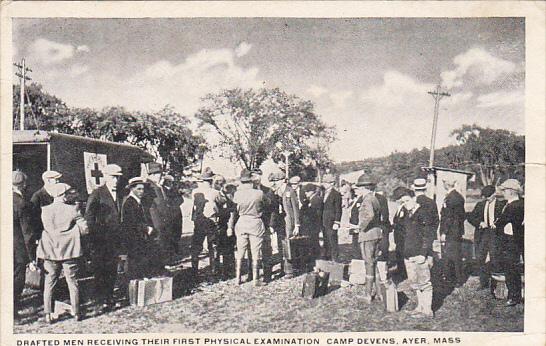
(296,248)
(390,296)
(150,291)
(357,272)
(315,284)
(336,270)
(500,291)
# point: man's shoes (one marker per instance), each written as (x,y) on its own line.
(512,302)
(78,317)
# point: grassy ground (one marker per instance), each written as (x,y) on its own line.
(225,307)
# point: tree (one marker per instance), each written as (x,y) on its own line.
(253,125)
(492,153)
(165,134)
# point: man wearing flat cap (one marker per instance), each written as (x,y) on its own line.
(369,229)
(510,230)
(41,198)
(23,237)
(331,217)
(103,216)
(483,218)
(206,201)
(452,216)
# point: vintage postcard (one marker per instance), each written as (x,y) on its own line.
(273,173)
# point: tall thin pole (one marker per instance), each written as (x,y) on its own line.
(437,95)
(22,74)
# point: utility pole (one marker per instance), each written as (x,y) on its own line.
(437,95)
(22,74)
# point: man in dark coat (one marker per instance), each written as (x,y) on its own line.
(452,218)
(511,233)
(331,217)
(22,238)
(173,200)
(136,230)
(311,218)
(483,218)
(103,216)
(419,226)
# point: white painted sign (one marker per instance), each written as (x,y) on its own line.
(94,165)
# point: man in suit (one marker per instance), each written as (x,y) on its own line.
(23,253)
(267,250)
(277,221)
(103,216)
(311,218)
(452,218)
(331,217)
(483,218)
(173,201)
(136,230)
(369,229)
(295,184)
(511,234)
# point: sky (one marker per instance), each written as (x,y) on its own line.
(369,77)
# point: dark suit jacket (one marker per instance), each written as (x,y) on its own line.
(267,206)
(513,213)
(476,216)
(103,217)
(22,231)
(156,206)
(291,209)
(173,200)
(431,209)
(331,212)
(384,211)
(452,216)
(134,225)
(311,214)
(39,199)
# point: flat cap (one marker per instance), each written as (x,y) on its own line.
(112,169)
(59,189)
(51,175)
(294,180)
(400,192)
(329,178)
(511,184)
(309,188)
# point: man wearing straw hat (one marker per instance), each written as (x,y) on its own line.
(510,230)
(249,228)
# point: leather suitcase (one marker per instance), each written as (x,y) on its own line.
(296,248)
(315,285)
(390,296)
(336,270)
(150,291)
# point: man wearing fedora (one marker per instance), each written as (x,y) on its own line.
(483,218)
(137,230)
(249,228)
(331,217)
(510,230)
(369,229)
(452,218)
(103,216)
(205,218)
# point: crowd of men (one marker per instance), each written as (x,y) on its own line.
(239,219)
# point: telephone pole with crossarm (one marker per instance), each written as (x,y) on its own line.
(22,74)
(437,95)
